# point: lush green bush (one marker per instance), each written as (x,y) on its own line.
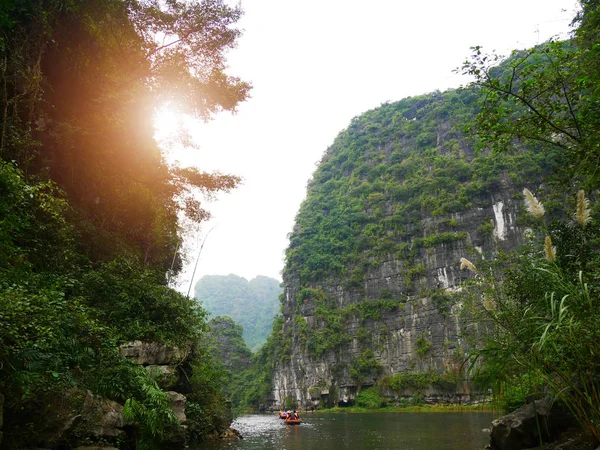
(418,381)
(133,301)
(370,399)
(422,346)
(365,366)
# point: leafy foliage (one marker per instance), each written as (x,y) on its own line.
(548,94)
(418,381)
(365,366)
(543,301)
(369,398)
(251,388)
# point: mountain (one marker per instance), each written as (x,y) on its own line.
(372,274)
(252,304)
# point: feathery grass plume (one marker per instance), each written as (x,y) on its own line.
(550,251)
(583,209)
(466,264)
(533,205)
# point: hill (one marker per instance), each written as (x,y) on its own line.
(252,304)
(372,271)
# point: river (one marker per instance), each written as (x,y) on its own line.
(361,431)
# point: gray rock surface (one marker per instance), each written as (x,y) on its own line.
(152,353)
(100,418)
(177,402)
(521,429)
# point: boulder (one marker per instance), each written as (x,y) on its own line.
(153,353)
(177,402)
(100,419)
(521,430)
(106,415)
(231,433)
(166,376)
(76,418)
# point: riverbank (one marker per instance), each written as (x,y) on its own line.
(424,408)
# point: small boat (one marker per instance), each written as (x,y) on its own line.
(282,415)
(292,421)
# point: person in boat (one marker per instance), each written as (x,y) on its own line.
(295,416)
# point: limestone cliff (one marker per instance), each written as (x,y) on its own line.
(372,277)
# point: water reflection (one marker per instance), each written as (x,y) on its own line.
(361,431)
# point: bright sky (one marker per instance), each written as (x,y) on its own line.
(314,65)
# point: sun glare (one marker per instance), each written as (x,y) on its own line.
(166,122)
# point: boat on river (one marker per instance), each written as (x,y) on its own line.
(292,421)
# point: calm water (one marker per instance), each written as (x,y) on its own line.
(362,431)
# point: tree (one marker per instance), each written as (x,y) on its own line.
(79,81)
(547,94)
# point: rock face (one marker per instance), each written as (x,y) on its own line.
(169,364)
(79,417)
(418,336)
(521,429)
(152,353)
(177,402)
(100,420)
(372,278)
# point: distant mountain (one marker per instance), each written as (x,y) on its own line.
(252,304)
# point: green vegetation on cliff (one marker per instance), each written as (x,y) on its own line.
(253,304)
(386,176)
(391,188)
(88,206)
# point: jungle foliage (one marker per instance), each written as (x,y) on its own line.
(250,376)
(88,206)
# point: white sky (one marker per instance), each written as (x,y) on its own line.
(314,65)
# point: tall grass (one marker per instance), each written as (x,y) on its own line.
(543,311)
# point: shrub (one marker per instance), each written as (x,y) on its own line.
(370,399)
